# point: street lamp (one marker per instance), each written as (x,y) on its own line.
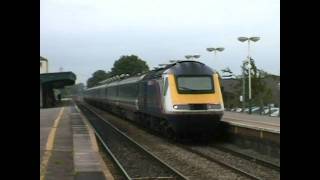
(215,50)
(253,39)
(175,61)
(220,49)
(192,56)
(188,56)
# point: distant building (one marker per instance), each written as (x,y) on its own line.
(43,65)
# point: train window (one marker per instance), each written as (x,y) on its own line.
(195,84)
(128,91)
(112,91)
(101,92)
(165,86)
(133,90)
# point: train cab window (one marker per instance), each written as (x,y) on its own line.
(194,84)
(165,86)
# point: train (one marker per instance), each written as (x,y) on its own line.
(180,99)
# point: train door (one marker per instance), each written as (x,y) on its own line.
(153,97)
(142,100)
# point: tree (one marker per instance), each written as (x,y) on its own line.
(227,73)
(72,90)
(131,65)
(260,93)
(231,94)
(98,76)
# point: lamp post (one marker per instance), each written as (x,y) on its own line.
(279,100)
(215,50)
(253,39)
(192,56)
(243,87)
(172,61)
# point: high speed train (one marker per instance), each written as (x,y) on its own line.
(180,99)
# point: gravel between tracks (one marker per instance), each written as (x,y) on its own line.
(247,166)
(189,164)
(252,153)
(133,160)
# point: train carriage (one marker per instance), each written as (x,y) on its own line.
(182,98)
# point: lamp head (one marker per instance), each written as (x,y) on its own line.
(243,39)
(254,39)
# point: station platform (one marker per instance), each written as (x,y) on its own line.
(261,133)
(68,148)
(257,122)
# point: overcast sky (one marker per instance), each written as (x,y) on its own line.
(86,35)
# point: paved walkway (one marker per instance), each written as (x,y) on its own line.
(265,123)
(68,150)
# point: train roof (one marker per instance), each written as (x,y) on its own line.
(96,87)
(129,80)
(180,67)
(133,79)
(189,67)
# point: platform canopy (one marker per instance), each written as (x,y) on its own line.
(58,80)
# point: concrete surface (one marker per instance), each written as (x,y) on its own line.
(66,150)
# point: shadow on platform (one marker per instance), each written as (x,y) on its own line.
(62,103)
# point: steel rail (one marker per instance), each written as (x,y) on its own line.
(248,157)
(226,165)
(139,147)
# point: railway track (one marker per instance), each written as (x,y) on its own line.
(133,161)
(220,162)
(248,157)
(234,167)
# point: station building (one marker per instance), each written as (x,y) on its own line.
(50,81)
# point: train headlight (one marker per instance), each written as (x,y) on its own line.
(181,107)
(214,106)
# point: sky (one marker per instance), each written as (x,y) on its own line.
(83,36)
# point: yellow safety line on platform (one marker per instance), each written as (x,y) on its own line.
(49,146)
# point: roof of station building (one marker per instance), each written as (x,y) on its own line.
(43,59)
(58,79)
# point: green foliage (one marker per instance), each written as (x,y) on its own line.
(227,73)
(131,65)
(67,91)
(231,99)
(261,94)
(98,76)
(260,91)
